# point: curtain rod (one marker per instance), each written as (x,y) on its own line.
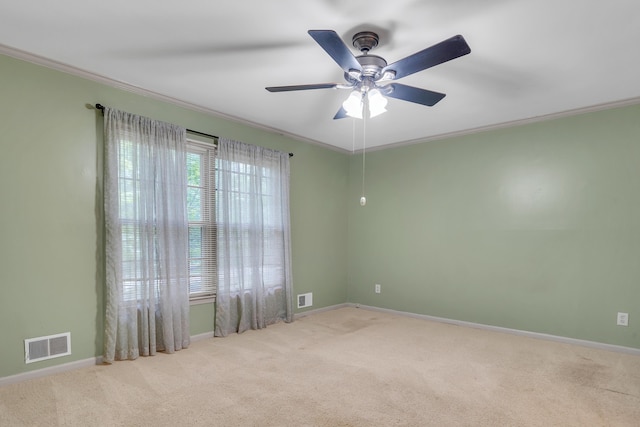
(101,108)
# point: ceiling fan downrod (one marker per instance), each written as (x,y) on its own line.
(371,65)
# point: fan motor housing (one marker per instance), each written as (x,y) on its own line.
(371,65)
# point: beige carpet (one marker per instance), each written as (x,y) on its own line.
(346,367)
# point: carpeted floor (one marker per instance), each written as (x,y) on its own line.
(345,367)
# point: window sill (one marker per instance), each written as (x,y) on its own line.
(204,300)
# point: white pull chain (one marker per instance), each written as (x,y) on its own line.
(363,199)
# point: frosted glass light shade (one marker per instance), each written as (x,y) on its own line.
(353,105)
(377,103)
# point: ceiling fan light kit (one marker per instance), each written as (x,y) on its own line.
(354,104)
(370,78)
(377,103)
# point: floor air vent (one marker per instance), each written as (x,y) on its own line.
(305,300)
(43,348)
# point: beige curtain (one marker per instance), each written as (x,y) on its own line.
(254,256)
(147,290)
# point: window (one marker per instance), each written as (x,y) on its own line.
(203,273)
(140,243)
(136,269)
(254,192)
(200,214)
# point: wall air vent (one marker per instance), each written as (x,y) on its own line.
(43,348)
(305,300)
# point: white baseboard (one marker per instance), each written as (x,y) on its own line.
(537,335)
(320,310)
(38,373)
(201,337)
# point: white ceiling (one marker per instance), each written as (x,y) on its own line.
(528,58)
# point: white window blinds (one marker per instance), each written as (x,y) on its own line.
(203,273)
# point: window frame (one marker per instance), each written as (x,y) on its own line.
(208,219)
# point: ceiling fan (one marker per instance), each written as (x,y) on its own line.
(370,78)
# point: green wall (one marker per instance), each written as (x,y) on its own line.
(50,190)
(535,227)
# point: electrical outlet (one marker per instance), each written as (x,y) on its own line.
(623,319)
(378,288)
(305,300)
